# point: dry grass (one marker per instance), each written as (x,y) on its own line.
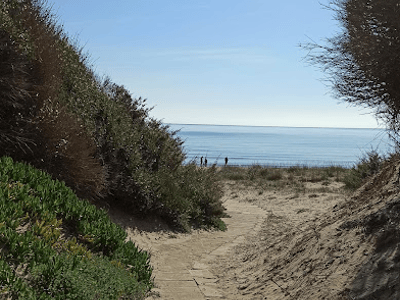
(296,180)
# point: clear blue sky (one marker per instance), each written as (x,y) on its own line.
(214,61)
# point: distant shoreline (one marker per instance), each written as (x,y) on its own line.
(281,166)
(280,147)
(277,126)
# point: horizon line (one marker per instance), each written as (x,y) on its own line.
(381,128)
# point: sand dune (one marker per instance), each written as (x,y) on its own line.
(317,242)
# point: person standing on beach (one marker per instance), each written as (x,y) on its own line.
(226,161)
(205,162)
(201,161)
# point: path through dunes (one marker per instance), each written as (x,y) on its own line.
(279,245)
(182,262)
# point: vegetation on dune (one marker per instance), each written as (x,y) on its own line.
(361,61)
(87,131)
(57,246)
(266,173)
(361,64)
(367,166)
(295,177)
(290,179)
(90,140)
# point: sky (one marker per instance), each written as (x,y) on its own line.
(214,61)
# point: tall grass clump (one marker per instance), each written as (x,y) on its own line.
(86,130)
(264,173)
(368,165)
(232,173)
(57,246)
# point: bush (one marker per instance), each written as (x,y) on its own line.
(38,262)
(275,175)
(88,131)
(259,172)
(194,197)
(368,165)
(232,173)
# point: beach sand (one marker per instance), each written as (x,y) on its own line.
(287,239)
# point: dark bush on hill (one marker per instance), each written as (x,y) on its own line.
(34,125)
(17,107)
(58,115)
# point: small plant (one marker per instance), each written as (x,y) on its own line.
(294,169)
(326,182)
(264,172)
(333,171)
(368,165)
(232,173)
(253,172)
(220,225)
(236,176)
(259,173)
(274,176)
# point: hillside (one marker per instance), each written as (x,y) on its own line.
(309,238)
(59,116)
(57,246)
(318,243)
(72,145)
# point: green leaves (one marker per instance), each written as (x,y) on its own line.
(368,165)
(95,260)
(114,149)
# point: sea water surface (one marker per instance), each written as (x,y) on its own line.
(280,146)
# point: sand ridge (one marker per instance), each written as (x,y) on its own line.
(280,244)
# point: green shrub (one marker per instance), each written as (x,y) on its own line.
(274,175)
(193,195)
(368,165)
(259,172)
(100,266)
(66,277)
(235,176)
(232,173)
(253,172)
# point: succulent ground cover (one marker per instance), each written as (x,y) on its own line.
(57,246)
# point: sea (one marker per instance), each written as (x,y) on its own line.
(280,146)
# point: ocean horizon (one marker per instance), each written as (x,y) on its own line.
(189,124)
(280,146)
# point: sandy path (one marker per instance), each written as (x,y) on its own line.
(290,222)
(286,240)
(182,261)
(301,251)
(280,244)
